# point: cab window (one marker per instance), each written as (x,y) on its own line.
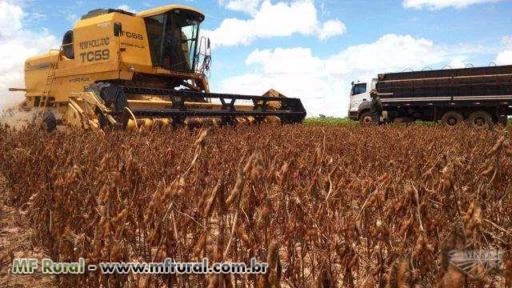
(67,45)
(173,39)
(359,89)
(155,30)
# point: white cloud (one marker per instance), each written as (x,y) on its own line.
(16,45)
(10,19)
(72,18)
(505,57)
(127,8)
(247,6)
(323,84)
(331,28)
(275,20)
(393,52)
(457,62)
(440,4)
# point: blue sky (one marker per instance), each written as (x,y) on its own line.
(310,49)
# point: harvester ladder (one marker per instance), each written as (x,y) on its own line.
(50,78)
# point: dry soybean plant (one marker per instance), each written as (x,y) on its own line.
(324,206)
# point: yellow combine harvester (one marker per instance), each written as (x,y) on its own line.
(119,69)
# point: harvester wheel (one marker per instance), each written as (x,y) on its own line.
(452,118)
(49,121)
(366,119)
(480,120)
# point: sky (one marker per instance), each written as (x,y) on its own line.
(309,49)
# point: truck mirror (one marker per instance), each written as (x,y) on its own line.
(209,44)
(352,83)
(118,29)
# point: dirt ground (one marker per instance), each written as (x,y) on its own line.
(15,242)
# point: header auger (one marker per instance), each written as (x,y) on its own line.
(123,70)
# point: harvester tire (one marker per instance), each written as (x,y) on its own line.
(480,120)
(452,118)
(49,121)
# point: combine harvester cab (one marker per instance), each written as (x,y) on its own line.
(123,70)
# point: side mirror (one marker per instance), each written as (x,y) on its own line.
(209,44)
(352,83)
(118,29)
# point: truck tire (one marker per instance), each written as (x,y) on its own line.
(503,120)
(49,121)
(366,119)
(452,118)
(480,120)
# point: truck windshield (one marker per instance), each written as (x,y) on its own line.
(173,39)
(359,88)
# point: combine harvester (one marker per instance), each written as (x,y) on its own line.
(479,96)
(123,70)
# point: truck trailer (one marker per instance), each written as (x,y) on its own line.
(478,96)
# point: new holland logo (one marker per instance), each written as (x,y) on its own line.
(95,43)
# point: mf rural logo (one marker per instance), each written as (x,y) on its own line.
(477,263)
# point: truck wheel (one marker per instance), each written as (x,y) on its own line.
(452,118)
(503,120)
(49,121)
(480,119)
(366,119)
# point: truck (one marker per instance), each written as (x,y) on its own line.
(477,96)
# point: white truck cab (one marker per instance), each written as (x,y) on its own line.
(360,93)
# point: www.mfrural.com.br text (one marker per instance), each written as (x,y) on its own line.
(168,266)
